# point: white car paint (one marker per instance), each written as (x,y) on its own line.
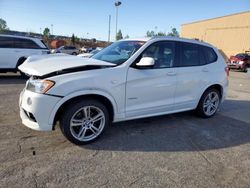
(51,63)
(9,56)
(133,93)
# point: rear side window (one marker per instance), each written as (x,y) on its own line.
(6,42)
(210,54)
(190,55)
(25,43)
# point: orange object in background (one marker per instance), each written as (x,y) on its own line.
(57,43)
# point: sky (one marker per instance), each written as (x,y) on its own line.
(89,18)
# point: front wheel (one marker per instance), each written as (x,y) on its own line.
(209,103)
(84,121)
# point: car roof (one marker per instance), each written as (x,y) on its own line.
(169,38)
(22,37)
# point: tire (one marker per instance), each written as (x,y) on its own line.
(209,103)
(74,53)
(84,121)
(23,75)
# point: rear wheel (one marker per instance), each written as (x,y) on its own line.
(209,103)
(84,121)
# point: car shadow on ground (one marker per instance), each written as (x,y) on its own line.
(11,79)
(178,132)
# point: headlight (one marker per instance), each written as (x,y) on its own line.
(39,86)
(241,62)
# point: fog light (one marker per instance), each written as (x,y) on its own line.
(29,101)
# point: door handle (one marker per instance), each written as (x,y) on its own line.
(205,70)
(171,73)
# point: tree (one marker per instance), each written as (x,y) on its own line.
(150,34)
(46,32)
(127,36)
(3,25)
(119,35)
(161,33)
(153,34)
(73,39)
(173,33)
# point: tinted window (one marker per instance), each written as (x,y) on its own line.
(162,52)
(25,43)
(190,55)
(6,42)
(210,55)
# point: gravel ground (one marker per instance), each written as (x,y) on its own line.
(179,150)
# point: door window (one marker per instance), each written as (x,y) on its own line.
(25,43)
(163,54)
(190,55)
(6,42)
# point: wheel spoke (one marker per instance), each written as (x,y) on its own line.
(76,122)
(81,131)
(83,134)
(206,105)
(94,130)
(86,111)
(98,117)
(210,96)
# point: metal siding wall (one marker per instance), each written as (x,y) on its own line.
(231,34)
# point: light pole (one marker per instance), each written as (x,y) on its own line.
(117,4)
(51,29)
(109,28)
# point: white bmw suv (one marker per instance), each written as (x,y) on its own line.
(129,79)
(14,50)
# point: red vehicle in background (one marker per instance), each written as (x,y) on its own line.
(240,62)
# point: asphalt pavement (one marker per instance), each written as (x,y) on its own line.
(179,150)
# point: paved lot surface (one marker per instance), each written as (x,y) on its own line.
(178,150)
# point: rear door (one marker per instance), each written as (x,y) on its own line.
(151,91)
(193,75)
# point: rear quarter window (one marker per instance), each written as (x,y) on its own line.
(210,54)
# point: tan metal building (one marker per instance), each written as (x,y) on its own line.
(230,34)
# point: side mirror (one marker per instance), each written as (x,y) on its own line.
(146,62)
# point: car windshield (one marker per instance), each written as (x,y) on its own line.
(118,52)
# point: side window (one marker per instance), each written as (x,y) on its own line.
(6,42)
(210,55)
(25,43)
(190,55)
(162,52)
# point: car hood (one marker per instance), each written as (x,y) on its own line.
(47,64)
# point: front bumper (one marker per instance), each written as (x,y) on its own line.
(35,110)
(235,66)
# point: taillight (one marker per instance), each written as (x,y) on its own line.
(227,70)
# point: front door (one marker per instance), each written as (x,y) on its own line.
(150,91)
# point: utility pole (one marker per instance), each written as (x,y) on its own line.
(117,4)
(109,28)
(51,29)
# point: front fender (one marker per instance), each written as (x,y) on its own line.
(81,93)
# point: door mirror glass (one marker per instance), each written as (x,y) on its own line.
(146,62)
